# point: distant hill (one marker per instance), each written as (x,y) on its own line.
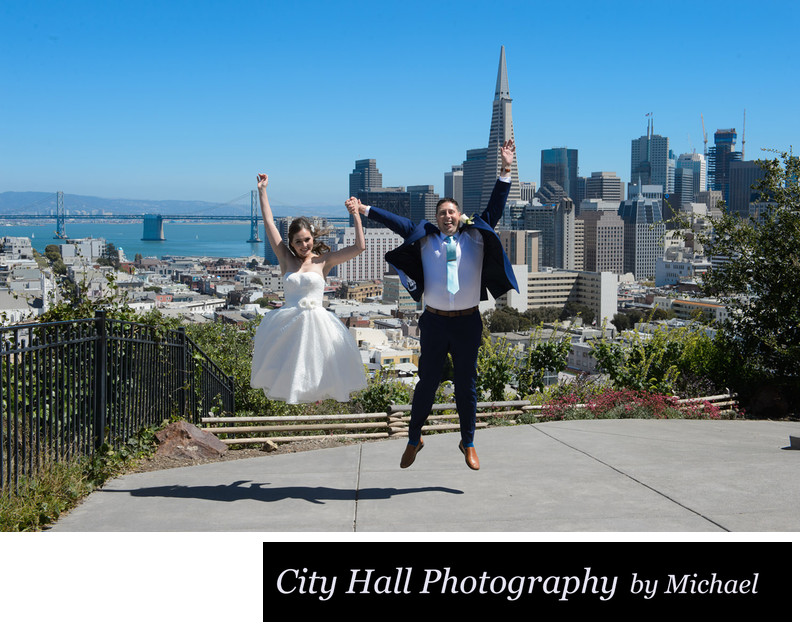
(45,203)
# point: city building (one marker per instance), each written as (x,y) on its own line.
(580,191)
(579,244)
(500,130)
(558,230)
(604,185)
(527,190)
(370,264)
(683,193)
(521,247)
(359,291)
(644,235)
(603,236)
(454,184)
(422,203)
(678,265)
(685,308)
(560,165)
(12,247)
(395,200)
(564,232)
(696,164)
(742,179)
(472,181)
(650,160)
(551,193)
(554,288)
(365,176)
(720,157)
(711,199)
(395,293)
(541,218)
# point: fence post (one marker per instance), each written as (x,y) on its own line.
(232,394)
(100,369)
(182,362)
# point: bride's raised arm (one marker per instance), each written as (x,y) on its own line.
(347,253)
(273,235)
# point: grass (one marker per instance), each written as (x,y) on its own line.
(57,487)
(41,499)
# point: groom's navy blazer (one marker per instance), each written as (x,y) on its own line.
(497,276)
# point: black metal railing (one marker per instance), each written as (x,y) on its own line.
(67,387)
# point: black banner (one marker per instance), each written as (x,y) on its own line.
(523,582)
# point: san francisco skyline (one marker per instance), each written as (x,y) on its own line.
(187,101)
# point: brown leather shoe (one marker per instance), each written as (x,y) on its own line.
(470,456)
(410,454)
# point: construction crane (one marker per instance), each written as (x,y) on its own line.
(744,119)
(705,136)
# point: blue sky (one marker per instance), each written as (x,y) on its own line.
(188,100)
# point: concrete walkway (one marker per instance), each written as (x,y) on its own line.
(576,476)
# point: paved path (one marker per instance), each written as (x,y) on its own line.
(576,476)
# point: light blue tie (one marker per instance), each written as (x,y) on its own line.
(452,266)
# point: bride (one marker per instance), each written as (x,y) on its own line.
(302,352)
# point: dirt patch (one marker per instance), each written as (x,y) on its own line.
(161,462)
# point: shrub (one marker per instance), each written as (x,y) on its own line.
(685,361)
(625,403)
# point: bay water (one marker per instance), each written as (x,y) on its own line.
(217,240)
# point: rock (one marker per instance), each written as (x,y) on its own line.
(186,441)
(269,446)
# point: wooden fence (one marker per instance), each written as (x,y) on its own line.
(393,423)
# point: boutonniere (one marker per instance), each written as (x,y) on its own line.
(466,221)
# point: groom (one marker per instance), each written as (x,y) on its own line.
(452,265)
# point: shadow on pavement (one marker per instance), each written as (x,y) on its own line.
(238,491)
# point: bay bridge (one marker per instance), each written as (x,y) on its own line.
(153,224)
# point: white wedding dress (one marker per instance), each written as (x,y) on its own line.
(302,352)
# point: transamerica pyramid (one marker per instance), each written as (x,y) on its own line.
(502,129)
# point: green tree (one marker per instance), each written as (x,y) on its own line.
(576,309)
(621,321)
(504,319)
(496,368)
(542,357)
(543,315)
(759,280)
(111,257)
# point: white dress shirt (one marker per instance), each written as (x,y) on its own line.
(469,258)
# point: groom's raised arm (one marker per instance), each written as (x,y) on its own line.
(399,225)
(497,202)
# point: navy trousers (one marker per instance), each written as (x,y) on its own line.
(461,338)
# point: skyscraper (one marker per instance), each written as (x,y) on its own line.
(521,247)
(604,237)
(556,224)
(501,130)
(650,160)
(454,184)
(720,157)
(527,190)
(742,177)
(560,165)
(472,181)
(422,203)
(606,186)
(644,234)
(365,176)
(395,200)
(696,163)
